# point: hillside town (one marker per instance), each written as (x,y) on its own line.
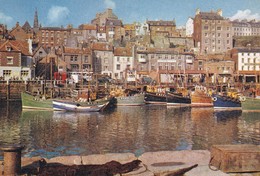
(210,48)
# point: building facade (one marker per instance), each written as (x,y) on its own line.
(245,28)
(53,36)
(212,32)
(122,62)
(16,61)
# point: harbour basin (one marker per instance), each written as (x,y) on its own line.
(135,129)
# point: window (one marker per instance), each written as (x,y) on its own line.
(86,59)
(243,60)
(128,59)
(7,72)
(206,27)
(228,28)
(118,59)
(24,73)
(10,60)
(228,35)
(219,28)
(218,34)
(118,66)
(227,41)
(71,58)
(218,41)
(206,34)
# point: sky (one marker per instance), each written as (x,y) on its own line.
(56,13)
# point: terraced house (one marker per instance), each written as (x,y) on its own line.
(16,60)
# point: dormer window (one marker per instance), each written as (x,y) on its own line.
(8,48)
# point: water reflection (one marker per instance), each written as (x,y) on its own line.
(124,129)
(214,127)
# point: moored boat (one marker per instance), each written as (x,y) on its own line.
(200,98)
(250,103)
(177,99)
(63,105)
(226,102)
(30,102)
(155,98)
(131,100)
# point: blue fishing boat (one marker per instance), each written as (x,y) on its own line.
(226,102)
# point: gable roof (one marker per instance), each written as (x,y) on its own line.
(17,46)
(27,27)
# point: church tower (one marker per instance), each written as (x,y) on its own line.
(35,22)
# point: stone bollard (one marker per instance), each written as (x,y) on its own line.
(12,159)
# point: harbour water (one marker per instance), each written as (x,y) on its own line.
(124,129)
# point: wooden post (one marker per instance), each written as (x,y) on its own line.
(12,159)
(8,90)
(26,85)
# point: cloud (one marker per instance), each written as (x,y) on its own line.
(110,4)
(4,19)
(57,14)
(246,14)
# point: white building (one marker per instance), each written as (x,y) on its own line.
(122,62)
(189,27)
(248,63)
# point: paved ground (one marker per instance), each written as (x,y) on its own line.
(153,163)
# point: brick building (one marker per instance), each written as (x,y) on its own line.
(212,32)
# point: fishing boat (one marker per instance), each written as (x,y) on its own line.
(30,102)
(155,98)
(225,102)
(64,105)
(177,99)
(250,103)
(131,100)
(201,98)
(127,97)
(155,95)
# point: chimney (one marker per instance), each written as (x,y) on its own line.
(109,12)
(197,11)
(17,24)
(30,45)
(219,12)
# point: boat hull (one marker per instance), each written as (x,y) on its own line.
(250,104)
(76,107)
(155,98)
(224,102)
(201,99)
(134,100)
(177,100)
(30,102)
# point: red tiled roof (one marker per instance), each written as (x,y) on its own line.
(76,50)
(102,47)
(17,46)
(88,27)
(123,51)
